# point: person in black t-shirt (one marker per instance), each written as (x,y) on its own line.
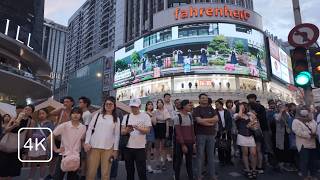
(262,118)
(207,119)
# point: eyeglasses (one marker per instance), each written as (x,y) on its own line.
(109,104)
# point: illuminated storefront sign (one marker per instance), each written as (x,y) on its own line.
(17,33)
(225,11)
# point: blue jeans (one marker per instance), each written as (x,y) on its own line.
(206,142)
(308,162)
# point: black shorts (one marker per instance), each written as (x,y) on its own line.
(160,131)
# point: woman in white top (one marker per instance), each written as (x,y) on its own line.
(102,140)
(161,132)
(305,129)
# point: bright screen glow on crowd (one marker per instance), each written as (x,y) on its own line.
(207,48)
(281,64)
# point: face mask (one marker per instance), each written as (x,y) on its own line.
(304,113)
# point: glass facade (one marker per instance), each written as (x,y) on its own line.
(88,81)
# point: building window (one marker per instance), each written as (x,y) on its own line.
(244,29)
(164,35)
(198,30)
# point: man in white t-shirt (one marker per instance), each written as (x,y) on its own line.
(138,126)
(84,104)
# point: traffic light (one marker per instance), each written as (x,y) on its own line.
(301,74)
(315,63)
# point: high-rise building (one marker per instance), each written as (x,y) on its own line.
(54,51)
(91,32)
(24,73)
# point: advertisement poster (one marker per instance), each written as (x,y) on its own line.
(276,67)
(235,53)
(281,64)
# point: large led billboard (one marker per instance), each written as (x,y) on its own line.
(206,48)
(281,65)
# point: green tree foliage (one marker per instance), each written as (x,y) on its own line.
(239,46)
(121,65)
(135,58)
(220,44)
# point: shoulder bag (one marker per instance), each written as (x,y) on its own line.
(124,139)
(9,142)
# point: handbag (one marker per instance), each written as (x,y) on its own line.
(124,139)
(70,162)
(223,142)
(9,142)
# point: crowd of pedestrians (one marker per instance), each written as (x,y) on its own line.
(284,137)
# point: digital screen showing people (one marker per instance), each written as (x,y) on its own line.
(281,65)
(207,48)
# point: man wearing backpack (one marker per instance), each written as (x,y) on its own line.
(184,138)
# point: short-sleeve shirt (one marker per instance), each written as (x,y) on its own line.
(70,135)
(186,121)
(86,116)
(162,116)
(184,130)
(205,112)
(137,140)
(172,112)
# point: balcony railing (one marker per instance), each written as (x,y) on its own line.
(24,74)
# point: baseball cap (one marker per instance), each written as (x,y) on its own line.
(135,102)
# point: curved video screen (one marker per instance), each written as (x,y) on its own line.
(206,48)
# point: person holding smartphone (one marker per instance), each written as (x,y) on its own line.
(246,140)
(10,165)
(139,124)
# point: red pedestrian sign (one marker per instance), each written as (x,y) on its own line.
(303,35)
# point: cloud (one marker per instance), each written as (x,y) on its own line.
(278,16)
(61,10)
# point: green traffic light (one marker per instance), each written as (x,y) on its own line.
(303,78)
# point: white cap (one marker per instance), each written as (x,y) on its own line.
(135,103)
